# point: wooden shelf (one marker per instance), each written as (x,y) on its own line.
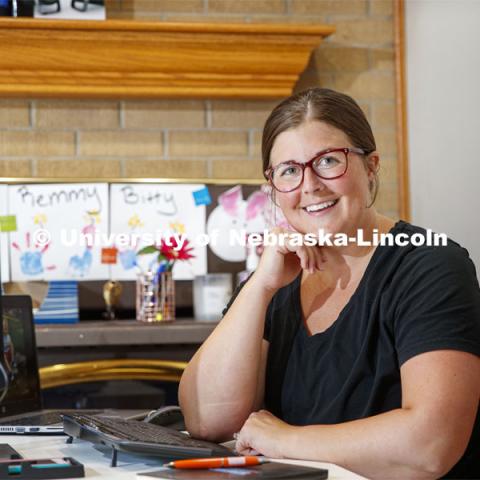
(132,59)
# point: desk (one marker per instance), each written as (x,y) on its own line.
(97,462)
(100,340)
(122,332)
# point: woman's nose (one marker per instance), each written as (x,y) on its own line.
(311,181)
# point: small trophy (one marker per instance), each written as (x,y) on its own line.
(111,294)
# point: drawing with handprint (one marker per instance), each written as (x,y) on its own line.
(31,259)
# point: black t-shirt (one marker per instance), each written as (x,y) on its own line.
(410,300)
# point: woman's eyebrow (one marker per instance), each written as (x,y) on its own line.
(321,152)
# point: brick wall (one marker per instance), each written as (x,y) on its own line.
(208,138)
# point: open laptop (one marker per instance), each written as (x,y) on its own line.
(21,409)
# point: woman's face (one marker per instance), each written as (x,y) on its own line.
(309,207)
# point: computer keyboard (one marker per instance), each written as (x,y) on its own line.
(136,431)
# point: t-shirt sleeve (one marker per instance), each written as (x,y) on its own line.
(438,305)
(266,332)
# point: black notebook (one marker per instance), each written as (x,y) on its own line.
(279,471)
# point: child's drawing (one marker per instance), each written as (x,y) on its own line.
(128,256)
(235,215)
(31,260)
(150,213)
(73,211)
(79,265)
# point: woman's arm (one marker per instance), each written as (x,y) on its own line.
(224,381)
(423,439)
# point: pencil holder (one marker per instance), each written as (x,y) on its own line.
(146,301)
(155,297)
(167,297)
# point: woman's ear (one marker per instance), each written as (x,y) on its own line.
(373,163)
(372,167)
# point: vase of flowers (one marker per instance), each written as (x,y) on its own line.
(155,300)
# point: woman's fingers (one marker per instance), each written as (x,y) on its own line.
(319,258)
(310,257)
(302,254)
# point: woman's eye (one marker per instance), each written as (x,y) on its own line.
(327,162)
(288,171)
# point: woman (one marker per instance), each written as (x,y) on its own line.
(363,356)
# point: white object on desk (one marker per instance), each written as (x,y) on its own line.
(97,462)
(211,294)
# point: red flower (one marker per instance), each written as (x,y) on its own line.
(171,251)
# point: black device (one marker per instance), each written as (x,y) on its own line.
(2,377)
(17,8)
(21,410)
(5,8)
(278,471)
(136,437)
(28,469)
(26,8)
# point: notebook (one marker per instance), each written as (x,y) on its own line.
(21,410)
(272,471)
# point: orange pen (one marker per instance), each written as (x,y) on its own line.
(248,461)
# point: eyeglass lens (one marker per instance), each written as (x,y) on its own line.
(288,176)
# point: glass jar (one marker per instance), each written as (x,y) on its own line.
(155,297)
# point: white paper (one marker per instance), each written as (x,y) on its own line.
(154,209)
(4,258)
(52,220)
(232,219)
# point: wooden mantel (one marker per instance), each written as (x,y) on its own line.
(133,59)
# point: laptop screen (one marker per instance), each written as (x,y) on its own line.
(20,356)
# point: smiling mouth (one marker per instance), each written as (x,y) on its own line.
(320,207)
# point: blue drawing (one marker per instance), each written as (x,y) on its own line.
(128,259)
(128,256)
(79,265)
(31,263)
(31,260)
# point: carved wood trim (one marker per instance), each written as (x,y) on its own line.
(132,59)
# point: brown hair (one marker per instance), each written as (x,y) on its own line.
(324,105)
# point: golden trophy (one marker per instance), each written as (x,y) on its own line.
(111,294)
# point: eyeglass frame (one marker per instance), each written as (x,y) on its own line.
(346,150)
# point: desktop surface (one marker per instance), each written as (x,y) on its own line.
(97,462)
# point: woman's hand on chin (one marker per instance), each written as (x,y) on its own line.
(265,434)
(283,259)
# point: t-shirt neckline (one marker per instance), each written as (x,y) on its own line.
(400,224)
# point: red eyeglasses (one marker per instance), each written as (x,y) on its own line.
(327,164)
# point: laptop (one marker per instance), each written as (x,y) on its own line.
(21,410)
